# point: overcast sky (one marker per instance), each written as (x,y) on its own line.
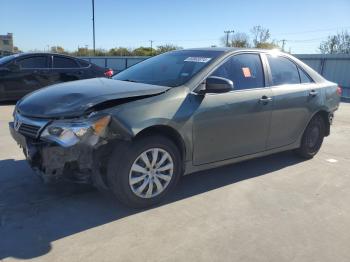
(37,24)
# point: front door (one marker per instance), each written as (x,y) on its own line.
(29,75)
(235,123)
(65,69)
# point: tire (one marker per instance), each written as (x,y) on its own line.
(133,188)
(312,138)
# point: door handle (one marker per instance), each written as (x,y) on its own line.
(265,99)
(313,93)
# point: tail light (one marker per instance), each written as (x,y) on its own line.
(339,91)
(109,73)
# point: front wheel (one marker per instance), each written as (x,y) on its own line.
(145,171)
(312,138)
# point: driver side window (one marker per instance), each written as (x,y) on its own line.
(244,70)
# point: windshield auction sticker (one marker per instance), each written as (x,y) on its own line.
(197,59)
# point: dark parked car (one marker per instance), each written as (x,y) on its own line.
(174,114)
(23,73)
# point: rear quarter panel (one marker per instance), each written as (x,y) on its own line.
(331,97)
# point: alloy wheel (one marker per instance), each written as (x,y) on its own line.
(151,173)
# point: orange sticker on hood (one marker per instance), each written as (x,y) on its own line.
(246,72)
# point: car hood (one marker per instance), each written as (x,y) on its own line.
(72,99)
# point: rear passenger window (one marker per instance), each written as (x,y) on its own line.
(244,70)
(283,71)
(84,63)
(304,78)
(63,62)
(33,62)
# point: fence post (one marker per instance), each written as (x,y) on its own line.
(323,61)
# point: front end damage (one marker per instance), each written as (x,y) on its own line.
(68,150)
(68,131)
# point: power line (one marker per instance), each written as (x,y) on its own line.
(307,40)
(315,31)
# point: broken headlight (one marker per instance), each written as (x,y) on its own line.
(69,133)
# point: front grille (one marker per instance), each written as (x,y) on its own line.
(29,130)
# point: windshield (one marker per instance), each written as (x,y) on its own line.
(169,69)
(6,59)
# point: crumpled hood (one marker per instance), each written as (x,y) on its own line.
(72,99)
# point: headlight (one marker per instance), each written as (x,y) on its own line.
(69,133)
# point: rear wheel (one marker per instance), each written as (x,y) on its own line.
(145,171)
(312,138)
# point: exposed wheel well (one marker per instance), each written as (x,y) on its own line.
(167,132)
(325,117)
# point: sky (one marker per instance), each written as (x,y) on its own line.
(39,24)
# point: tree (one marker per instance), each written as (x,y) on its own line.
(240,40)
(100,52)
(16,50)
(57,49)
(237,40)
(120,51)
(261,38)
(166,48)
(143,51)
(336,44)
(260,35)
(268,45)
(83,51)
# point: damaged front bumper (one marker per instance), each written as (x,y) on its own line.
(83,161)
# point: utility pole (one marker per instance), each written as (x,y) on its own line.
(283,43)
(151,46)
(228,32)
(93,24)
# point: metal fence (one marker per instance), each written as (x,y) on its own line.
(335,67)
(117,63)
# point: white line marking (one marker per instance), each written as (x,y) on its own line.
(331,160)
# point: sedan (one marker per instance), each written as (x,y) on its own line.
(174,114)
(23,73)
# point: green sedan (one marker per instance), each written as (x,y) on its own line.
(177,113)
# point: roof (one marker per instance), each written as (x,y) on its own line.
(232,49)
(39,53)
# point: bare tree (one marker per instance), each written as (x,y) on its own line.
(240,40)
(237,40)
(166,48)
(57,49)
(336,44)
(260,35)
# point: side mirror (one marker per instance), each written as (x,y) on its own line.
(215,84)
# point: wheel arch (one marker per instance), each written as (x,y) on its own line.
(168,132)
(325,116)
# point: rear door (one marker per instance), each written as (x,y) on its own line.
(235,123)
(91,70)
(291,88)
(65,69)
(31,73)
